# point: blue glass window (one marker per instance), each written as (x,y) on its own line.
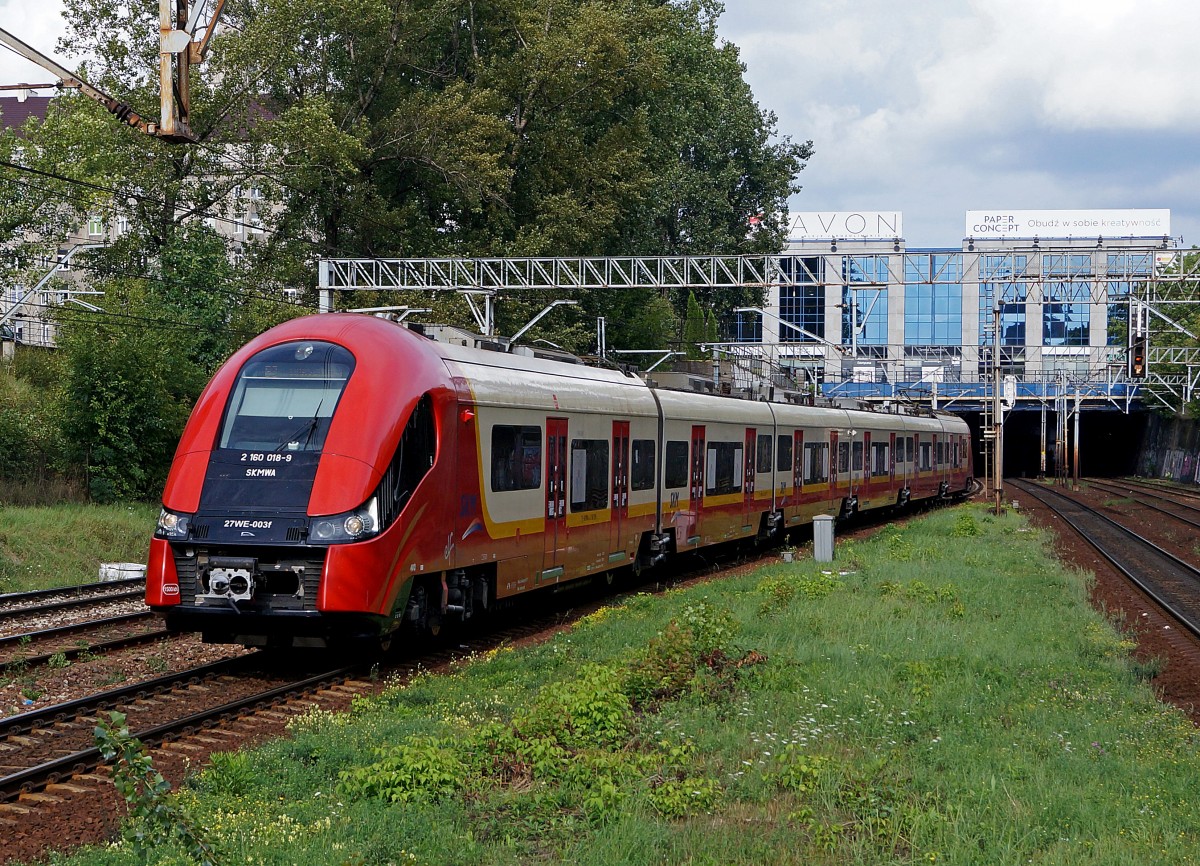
(1065,324)
(1000,278)
(747,328)
(870,307)
(933,299)
(1118,324)
(1130,264)
(802,298)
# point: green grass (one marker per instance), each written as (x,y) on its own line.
(942,694)
(62,545)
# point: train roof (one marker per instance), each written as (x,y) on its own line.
(506,378)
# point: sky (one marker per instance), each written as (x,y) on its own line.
(944,106)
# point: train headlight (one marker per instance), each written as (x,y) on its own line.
(172,525)
(356,525)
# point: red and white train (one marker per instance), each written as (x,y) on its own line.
(342,476)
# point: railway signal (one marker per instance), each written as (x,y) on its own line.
(1137,357)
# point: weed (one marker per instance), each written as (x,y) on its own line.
(678,798)
(158,820)
(423,769)
(112,678)
(157,664)
(32,693)
(1145,671)
(58,661)
(230,774)
(590,710)
(801,773)
(965,526)
(779,591)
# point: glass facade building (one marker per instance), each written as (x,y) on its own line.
(874,312)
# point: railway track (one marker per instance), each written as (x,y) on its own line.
(1173,584)
(44,750)
(15,605)
(1189,492)
(83,590)
(1152,498)
(56,743)
(69,642)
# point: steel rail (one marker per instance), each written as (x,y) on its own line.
(1046,495)
(78,589)
(1157,487)
(63,630)
(86,760)
(14,612)
(20,724)
(116,643)
(1134,494)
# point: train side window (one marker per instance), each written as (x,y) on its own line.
(589,474)
(940,453)
(413,459)
(912,450)
(783,452)
(516,458)
(926,456)
(879,458)
(857,462)
(724,468)
(843,457)
(763,463)
(816,462)
(676,465)
(641,471)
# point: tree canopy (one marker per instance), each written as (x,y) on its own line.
(449,128)
(409,128)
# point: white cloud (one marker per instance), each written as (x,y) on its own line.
(939,107)
(38,24)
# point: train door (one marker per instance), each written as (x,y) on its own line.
(556,496)
(892,463)
(797,466)
(750,466)
(696,485)
(938,467)
(620,483)
(866,463)
(834,464)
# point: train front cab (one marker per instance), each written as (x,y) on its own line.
(295,503)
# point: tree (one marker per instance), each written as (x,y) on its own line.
(127,393)
(391,128)
(693,328)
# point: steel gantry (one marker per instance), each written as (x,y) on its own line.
(1145,276)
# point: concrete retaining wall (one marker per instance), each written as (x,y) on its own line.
(1171,450)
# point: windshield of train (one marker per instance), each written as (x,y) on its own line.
(284,398)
